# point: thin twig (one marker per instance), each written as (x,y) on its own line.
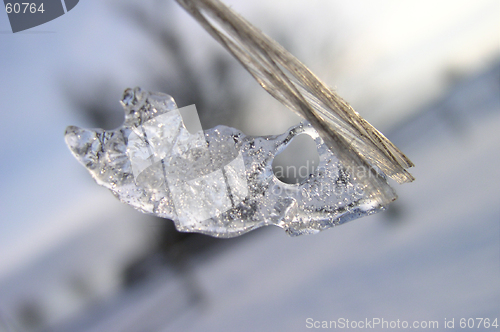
(350,137)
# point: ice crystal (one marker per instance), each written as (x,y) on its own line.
(219,182)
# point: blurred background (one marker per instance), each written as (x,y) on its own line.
(425,73)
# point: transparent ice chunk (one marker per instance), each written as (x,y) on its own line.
(219,182)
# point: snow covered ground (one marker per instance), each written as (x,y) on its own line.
(439,260)
(427,75)
(433,257)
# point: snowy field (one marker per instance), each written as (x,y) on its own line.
(427,75)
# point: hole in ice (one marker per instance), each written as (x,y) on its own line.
(298,161)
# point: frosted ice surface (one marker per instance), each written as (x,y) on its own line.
(218,182)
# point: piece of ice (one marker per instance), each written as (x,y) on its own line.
(219,182)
